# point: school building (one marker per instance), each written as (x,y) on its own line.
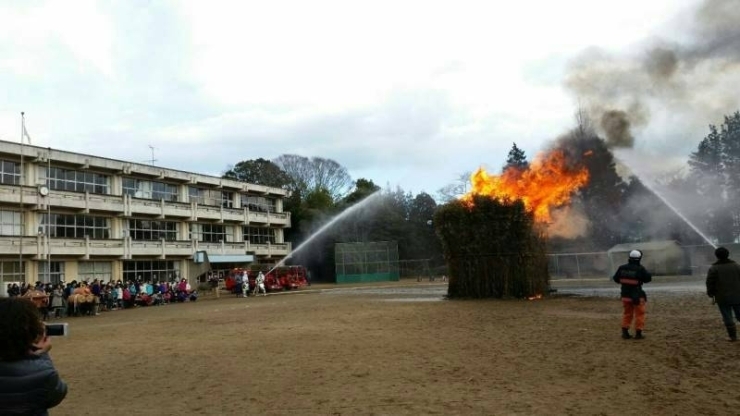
(69,216)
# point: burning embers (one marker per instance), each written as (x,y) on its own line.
(548,183)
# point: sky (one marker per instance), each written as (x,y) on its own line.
(405,93)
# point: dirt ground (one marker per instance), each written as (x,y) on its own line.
(367,352)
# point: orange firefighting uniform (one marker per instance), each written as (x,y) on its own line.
(631,276)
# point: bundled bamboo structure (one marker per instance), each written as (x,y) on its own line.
(493,249)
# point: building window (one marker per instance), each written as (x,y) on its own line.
(91,270)
(76,226)
(151,270)
(11,222)
(208,233)
(227,199)
(211,197)
(259,235)
(196,194)
(12,271)
(10,172)
(51,272)
(150,189)
(76,181)
(258,203)
(152,230)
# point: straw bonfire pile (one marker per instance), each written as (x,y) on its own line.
(493,249)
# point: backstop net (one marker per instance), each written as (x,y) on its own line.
(366,262)
(579,265)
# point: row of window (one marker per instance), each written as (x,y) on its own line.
(150,189)
(95,227)
(77,181)
(75,226)
(151,270)
(53,272)
(258,203)
(152,230)
(63,179)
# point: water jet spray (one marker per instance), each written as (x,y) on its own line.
(651,187)
(344,214)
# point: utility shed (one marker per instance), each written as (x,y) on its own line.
(659,257)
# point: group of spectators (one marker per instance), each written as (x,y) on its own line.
(90,298)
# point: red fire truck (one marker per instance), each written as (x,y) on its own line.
(278,279)
(289,277)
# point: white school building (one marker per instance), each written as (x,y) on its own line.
(68,216)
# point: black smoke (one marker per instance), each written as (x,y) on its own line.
(687,76)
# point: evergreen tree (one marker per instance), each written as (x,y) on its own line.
(715,174)
(425,243)
(604,195)
(730,136)
(516,159)
(363,189)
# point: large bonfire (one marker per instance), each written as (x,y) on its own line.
(493,237)
(548,183)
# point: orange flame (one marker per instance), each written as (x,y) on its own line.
(547,183)
(535,297)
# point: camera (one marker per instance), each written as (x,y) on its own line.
(57,330)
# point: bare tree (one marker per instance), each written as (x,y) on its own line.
(455,189)
(584,126)
(309,175)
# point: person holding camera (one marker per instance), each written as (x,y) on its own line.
(632,276)
(29,383)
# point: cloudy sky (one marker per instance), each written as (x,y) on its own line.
(409,93)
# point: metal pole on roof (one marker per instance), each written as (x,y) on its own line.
(48,219)
(21,182)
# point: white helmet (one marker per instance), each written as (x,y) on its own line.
(636,254)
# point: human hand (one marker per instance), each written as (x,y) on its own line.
(42,346)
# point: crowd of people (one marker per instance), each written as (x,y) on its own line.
(90,298)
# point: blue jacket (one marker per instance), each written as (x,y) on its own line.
(30,386)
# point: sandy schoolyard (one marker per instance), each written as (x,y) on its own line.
(399,352)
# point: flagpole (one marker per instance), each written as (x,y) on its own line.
(22,182)
(48,219)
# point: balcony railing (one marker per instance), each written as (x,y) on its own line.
(126,248)
(127,206)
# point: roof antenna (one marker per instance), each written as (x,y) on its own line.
(152,160)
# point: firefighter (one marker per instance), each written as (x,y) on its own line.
(723,285)
(632,276)
(245,284)
(260,285)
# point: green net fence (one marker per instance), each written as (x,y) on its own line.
(366,262)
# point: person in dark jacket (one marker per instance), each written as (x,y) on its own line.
(29,383)
(723,284)
(634,300)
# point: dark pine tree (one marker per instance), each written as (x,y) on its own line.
(516,158)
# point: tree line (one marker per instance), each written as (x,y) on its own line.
(319,189)
(618,207)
